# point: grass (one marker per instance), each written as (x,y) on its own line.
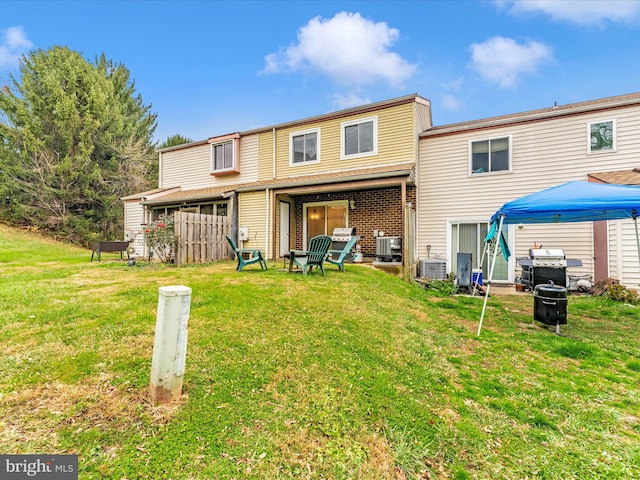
(354,375)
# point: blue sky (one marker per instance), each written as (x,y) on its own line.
(214,67)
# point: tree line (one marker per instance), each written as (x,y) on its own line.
(75,137)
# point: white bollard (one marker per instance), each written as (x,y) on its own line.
(170,344)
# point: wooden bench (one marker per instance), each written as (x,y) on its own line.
(109,246)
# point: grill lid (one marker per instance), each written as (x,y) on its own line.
(546,253)
(343,234)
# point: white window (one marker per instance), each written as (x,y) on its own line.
(602,136)
(359,138)
(304,147)
(223,156)
(493,155)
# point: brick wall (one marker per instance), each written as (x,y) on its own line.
(376,209)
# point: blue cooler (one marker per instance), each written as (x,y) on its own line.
(476,276)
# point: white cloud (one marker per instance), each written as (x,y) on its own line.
(592,12)
(340,101)
(451,102)
(14,44)
(502,60)
(348,48)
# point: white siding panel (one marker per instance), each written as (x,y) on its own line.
(544,154)
(190,168)
(133,228)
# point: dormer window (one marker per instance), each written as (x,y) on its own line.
(224,156)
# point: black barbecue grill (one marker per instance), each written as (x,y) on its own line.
(545,265)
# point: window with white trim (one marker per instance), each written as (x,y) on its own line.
(602,136)
(223,156)
(359,138)
(487,156)
(304,147)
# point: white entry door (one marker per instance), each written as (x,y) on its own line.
(285,246)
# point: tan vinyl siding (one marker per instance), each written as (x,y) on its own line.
(252,213)
(544,154)
(266,156)
(396,143)
(190,168)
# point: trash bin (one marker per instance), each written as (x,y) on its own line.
(550,304)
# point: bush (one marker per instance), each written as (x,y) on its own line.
(161,238)
(621,294)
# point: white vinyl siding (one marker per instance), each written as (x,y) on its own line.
(624,263)
(133,228)
(543,154)
(190,168)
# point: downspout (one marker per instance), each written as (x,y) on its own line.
(635,223)
(405,240)
(273,175)
(273,153)
(268,222)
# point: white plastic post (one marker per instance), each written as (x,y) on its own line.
(170,344)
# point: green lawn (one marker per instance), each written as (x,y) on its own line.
(356,375)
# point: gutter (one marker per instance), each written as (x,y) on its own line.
(307,183)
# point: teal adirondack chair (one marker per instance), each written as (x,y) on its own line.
(342,254)
(315,256)
(254,256)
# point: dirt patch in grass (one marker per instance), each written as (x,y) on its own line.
(35,415)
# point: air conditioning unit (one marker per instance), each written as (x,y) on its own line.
(389,249)
(434,268)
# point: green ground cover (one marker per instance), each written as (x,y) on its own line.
(356,375)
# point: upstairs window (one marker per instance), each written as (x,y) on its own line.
(359,138)
(223,155)
(602,136)
(305,147)
(491,156)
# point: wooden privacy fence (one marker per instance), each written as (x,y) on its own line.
(200,238)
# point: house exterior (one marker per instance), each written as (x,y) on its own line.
(364,167)
(283,184)
(468,170)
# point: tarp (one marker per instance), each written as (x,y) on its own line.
(576,201)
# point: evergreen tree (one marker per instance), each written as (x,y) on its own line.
(74,138)
(174,140)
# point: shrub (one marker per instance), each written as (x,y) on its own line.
(621,294)
(161,238)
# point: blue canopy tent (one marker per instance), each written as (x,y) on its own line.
(576,201)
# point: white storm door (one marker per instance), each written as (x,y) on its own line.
(285,246)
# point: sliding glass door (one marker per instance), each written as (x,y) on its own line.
(323,217)
(468,237)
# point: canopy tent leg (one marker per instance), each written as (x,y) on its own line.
(493,264)
(635,223)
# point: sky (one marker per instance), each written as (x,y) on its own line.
(210,68)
